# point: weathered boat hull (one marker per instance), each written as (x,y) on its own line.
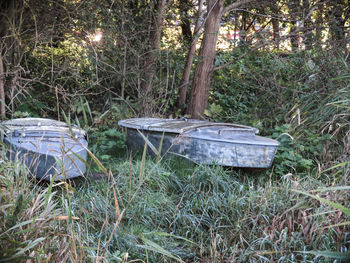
(204,144)
(48,151)
(221,153)
(136,141)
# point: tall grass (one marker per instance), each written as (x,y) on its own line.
(224,215)
(191,214)
(33,224)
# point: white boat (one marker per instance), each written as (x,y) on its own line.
(50,149)
(202,141)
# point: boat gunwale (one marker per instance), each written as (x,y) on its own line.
(47,125)
(46,134)
(178,136)
(126,123)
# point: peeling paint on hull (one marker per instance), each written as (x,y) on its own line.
(46,147)
(221,144)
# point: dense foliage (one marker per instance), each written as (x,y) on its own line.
(281,66)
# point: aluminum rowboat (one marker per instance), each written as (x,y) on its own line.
(47,147)
(202,141)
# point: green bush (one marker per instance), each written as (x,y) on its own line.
(107,143)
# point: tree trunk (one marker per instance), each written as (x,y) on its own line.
(8,46)
(187,70)
(204,70)
(202,76)
(184,7)
(275,24)
(337,23)
(319,24)
(307,30)
(151,59)
(293,7)
(243,29)
(122,84)
(294,36)
(276,32)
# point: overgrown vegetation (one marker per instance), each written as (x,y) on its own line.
(130,207)
(168,212)
(173,210)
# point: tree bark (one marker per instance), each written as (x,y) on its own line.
(307,30)
(187,70)
(337,23)
(275,23)
(319,24)
(202,76)
(151,59)
(276,32)
(184,7)
(8,46)
(293,7)
(243,29)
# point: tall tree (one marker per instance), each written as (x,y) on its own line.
(294,9)
(184,7)
(189,60)
(151,56)
(338,12)
(202,76)
(275,22)
(2,89)
(307,25)
(11,47)
(319,23)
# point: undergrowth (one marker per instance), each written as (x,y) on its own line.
(162,212)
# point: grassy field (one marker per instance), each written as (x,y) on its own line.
(140,210)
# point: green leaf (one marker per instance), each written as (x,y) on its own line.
(329,254)
(30,246)
(160,148)
(335,188)
(341,77)
(344,209)
(335,166)
(147,142)
(170,235)
(152,246)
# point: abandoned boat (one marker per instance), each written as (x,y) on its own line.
(202,141)
(49,148)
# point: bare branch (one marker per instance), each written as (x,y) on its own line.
(235,5)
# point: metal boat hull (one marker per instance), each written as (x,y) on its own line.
(226,154)
(48,154)
(236,150)
(60,165)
